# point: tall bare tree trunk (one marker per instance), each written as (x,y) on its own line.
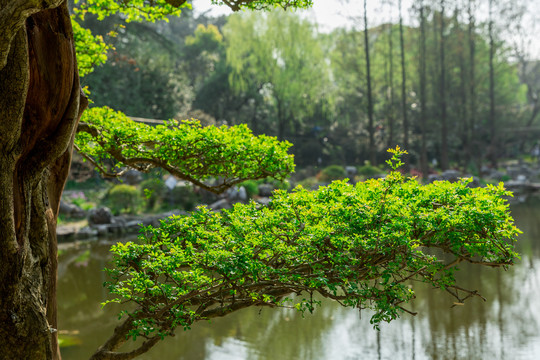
(403,87)
(371,129)
(423,102)
(391,93)
(492,151)
(464,131)
(442,92)
(40,105)
(474,150)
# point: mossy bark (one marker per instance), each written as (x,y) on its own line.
(40,105)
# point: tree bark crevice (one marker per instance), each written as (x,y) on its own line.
(40,107)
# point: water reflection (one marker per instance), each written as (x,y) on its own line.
(506,326)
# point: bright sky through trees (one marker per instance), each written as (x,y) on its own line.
(331,14)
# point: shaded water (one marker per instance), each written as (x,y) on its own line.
(507,326)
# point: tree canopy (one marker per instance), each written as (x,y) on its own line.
(228,155)
(362,245)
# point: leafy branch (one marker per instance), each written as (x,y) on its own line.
(329,242)
(213,158)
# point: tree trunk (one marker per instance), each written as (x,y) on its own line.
(462,110)
(423,102)
(442,93)
(406,166)
(473,143)
(371,129)
(391,88)
(492,152)
(39,109)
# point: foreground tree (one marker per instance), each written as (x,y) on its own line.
(40,106)
(362,246)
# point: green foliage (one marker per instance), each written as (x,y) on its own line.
(141,10)
(260,56)
(124,198)
(369,170)
(360,245)
(139,89)
(309,182)
(186,149)
(153,190)
(133,10)
(252,187)
(91,50)
(184,197)
(331,173)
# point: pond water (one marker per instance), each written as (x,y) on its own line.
(507,326)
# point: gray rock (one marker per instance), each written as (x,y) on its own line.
(220,204)
(351,170)
(496,175)
(264,201)
(102,230)
(86,233)
(66,233)
(133,226)
(451,175)
(100,216)
(132,177)
(433,177)
(242,194)
(71,210)
(265,190)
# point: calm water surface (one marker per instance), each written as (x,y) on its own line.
(507,326)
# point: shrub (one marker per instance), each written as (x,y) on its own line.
(124,199)
(331,173)
(184,197)
(153,190)
(369,170)
(252,187)
(308,183)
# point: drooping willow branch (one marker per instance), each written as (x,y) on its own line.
(187,150)
(335,242)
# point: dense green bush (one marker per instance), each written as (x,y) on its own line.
(252,187)
(153,190)
(369,170)
(183,197)
(124,198)
(362,245)
(331,173)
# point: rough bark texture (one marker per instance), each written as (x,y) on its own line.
(40,105)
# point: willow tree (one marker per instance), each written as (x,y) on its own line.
(40,106)
(279,53)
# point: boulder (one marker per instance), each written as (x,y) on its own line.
(264,201)
(220,204)
(100,216)
(71,210)
(451,175)
(265,190)
(132,177)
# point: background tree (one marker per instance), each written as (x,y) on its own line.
(260,50)
(371,129)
